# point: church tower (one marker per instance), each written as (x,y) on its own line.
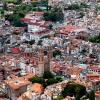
(48,59)
(50,52)
(40,69)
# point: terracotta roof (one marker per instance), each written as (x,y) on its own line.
(29,75)
(49,93)
(12,76)
(2,99)
(98,17)
(70,28)
(72,47)
(15,50)
(83,35)
(16,83)
(36,87)
(14,36)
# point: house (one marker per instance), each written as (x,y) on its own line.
(35,25)
(83,36)
(18,29)
(96,84)
(15,87)
(37,13)
(55,89)
(94,69)
(10,5)
(72,49)
(46,96)
(93,77)
(69,30)
(34,92)
(13,39)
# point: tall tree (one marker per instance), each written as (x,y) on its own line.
(47,75)
(74,89)
(5,5)
(90,95)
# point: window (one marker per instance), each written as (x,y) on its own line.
(42,59)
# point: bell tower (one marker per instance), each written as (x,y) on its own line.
(48,59)
(50,52)
(40,69)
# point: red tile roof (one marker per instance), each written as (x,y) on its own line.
(15,50)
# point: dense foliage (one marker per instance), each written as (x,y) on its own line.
(30,42)
(51,81)
(53,16)
(47,75)
(91,95)
(76,90)
(46,36)
(56,52)
(39,42)
(59,78)
(76,6)
(37,80)
(95,39)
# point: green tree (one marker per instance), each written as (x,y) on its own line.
(10,18)
(59,78)
(81,15)
(25,42)
(45,52)
(19,1)
(21,14)
(46,18)
(5,5)
(39,42)
(52,17)
(26,29)
(92,39)
(91,95)
(16,33)
(17,23)
(31,42)
(83,5)
(56,52)
(51,81)
(37,80)
(74,89)
(50,26)
(46,36)
(47,75)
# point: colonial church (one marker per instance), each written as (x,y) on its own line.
(33,60)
